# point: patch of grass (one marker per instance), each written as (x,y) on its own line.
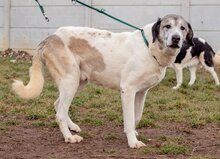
(5,125)
(53,124)
(215,117)
(111,136)
(34,116)
(170,139)
(173,149)
(9,123)
(79,101)
(143,138)
(194,107)
(3,129)
(92,121)
(112,116)
(39,124)
(146,123)
(109,151)
(85,135)
(201,157)
(119,121)
(149,150)
(196,123)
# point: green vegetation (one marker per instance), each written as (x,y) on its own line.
(193,106)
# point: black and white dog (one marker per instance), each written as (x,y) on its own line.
(191,57)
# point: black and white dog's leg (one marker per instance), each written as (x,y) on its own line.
(192,70)
(213,73)
(179,75)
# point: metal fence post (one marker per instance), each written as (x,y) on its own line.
(88,14)
(7,19)
(185,9)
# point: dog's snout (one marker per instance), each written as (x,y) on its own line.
(175,39)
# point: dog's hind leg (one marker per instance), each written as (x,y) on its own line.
(179,75)
(72,126)
(192,70)
(208,63)
(213,73)
(68,86)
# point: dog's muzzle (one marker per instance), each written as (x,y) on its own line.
(175,41)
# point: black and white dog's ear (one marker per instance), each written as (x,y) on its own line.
(156,29)
(189,36)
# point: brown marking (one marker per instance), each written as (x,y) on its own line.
(104,35)
(52,40)
(108,35)
(55,56)
(92,33)
(201,57)
(54,69)
(90,58)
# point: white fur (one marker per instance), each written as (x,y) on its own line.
(130,66)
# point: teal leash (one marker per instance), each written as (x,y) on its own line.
(102,11)
(42,10)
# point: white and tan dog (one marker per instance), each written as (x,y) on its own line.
(76,56)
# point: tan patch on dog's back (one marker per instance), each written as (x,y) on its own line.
(90,58)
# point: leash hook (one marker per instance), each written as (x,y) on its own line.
(103,10)
(42,11)
(74,2)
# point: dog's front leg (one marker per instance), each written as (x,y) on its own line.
(128,101)
(179,75)
(139,106)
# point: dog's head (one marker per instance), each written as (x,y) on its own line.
(171,31)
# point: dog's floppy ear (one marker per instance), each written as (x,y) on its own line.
(189,36)
(156,29)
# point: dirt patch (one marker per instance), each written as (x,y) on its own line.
(15,56)
(26,141)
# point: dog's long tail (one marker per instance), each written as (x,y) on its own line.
(217,59)
(35,85)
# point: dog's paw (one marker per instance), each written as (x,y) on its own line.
(137,144)
(74,127)
(175,87)
(73,139)
(190,84)
(136,133)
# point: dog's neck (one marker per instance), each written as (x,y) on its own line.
(163,56)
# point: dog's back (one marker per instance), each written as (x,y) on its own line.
(201,50)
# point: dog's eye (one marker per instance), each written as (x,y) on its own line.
(167,26)
(182,28)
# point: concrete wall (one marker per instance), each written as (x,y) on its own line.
(205,21)
(1,23)
(28,27)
